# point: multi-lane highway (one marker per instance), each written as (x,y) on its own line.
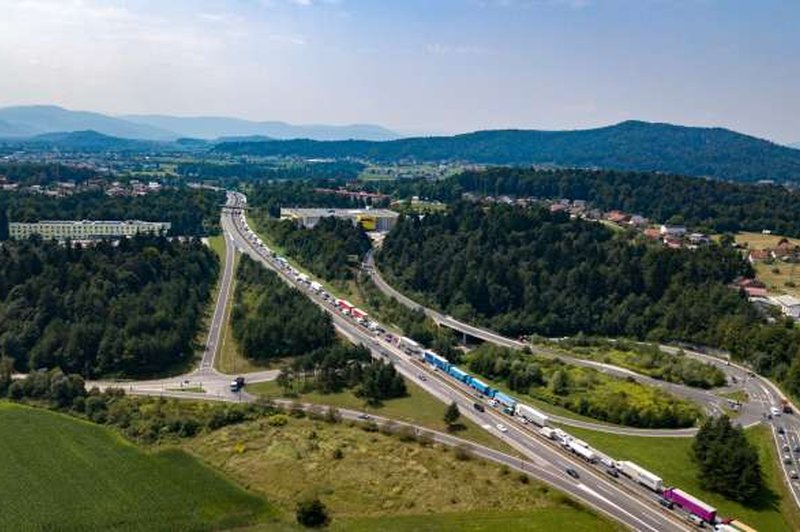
(630,504)
(762,394)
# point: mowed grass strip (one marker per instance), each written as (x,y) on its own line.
(371,481)
(671,459)
(59,473)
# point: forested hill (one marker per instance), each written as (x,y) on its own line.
(632,145)
(526,270)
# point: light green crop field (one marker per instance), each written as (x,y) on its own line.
(670,458)
(59,473)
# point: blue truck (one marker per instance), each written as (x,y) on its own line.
(481,386)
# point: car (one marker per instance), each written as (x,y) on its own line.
(364,416)
(695,520)
(573,473)
(781,430)
(502,428)
(793,475)
(786,448)
(787,459)
(797,448)
(775,411)
(612,471)
(479,407)
(666,503)
(422,377)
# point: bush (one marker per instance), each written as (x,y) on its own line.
(312,513)
(277,420)
(462,453)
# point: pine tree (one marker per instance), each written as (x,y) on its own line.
(451,415)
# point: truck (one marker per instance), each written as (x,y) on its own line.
(548,433)
(641,475)
(786,407)
(237,384)
(691,504)
(344,305)
(458,374)
(303,278)
(505,400)
(436,361)
(359,314)
(481,386)
(532,415)
(584,452)
(409,346)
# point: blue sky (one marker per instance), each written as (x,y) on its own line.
(416,66)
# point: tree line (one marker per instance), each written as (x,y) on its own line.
(131,309)
(331,249)
(27,173)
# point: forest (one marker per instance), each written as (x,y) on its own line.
(232,172)
(330,249)
(529,271)
(27,174)
(272,320)
(131,309)
(192,212)
(632,145)
(713,206)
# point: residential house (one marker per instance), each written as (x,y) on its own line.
(789,305)
(673,230)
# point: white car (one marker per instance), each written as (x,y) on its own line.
(502,428)
(775,411)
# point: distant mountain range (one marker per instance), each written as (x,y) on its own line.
(633,145)
(795,145)
(28,121)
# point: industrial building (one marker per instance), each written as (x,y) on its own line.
(85,229)
(381,220)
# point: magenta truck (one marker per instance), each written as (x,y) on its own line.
(691,504)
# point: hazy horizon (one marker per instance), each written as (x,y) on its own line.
(455,66)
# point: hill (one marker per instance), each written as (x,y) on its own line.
(212,127)
(91,140)
(39,119)
(57,473)
(633,145)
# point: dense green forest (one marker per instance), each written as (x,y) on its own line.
(703,204)
(524,271)
(27,174)
(727,461)
(582,390)
(632,145)
(272,320)
(127,309)
(268,199)
(330,249)
(191,212)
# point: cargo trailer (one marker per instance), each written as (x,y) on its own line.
(458,374)
(532,415)
(641,475)
(691,504)
(436,360)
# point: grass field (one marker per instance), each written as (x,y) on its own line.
(381,483)
(58,473)
(670,458)
(418,408)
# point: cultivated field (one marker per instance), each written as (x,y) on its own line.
(59,473)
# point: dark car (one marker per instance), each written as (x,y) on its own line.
(479,407)
(666,503)
(571,472)
(781,430)
(613,472)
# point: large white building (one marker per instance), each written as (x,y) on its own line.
(789,305)
(85,229)
(381,220)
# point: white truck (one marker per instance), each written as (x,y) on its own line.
(584,452)
(548,433)
(531,414)
(641,475)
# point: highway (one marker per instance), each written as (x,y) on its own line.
(762,393)
(630,504)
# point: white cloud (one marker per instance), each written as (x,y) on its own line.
(462,49)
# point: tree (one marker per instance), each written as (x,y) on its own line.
(727,462)
(312,513)
(451,415)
